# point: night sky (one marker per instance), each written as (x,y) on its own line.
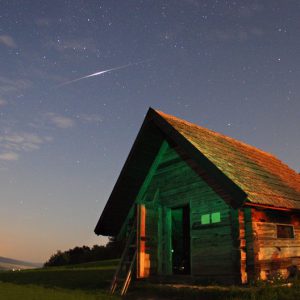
(231,66)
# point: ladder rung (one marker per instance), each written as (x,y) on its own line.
(128,260)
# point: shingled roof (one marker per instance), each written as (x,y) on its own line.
(263,177)
(251,175)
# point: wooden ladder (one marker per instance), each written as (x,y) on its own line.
(124,272)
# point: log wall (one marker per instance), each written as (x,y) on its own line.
(243,247)
(215,248)
(273,256)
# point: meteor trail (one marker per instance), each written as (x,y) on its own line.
(94,74)
(98,73)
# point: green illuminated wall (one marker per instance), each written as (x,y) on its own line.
(174,183)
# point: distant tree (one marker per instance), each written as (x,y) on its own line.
(113,249)
(58,259)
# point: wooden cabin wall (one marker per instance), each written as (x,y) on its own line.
(272,256)
(239,254)
(176,184)
(251,246)
(212,245)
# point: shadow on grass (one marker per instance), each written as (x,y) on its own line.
(163,292)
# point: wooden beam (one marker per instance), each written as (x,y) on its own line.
(153,168)
(140,196)
(248,204)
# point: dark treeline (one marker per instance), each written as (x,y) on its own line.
(78,255)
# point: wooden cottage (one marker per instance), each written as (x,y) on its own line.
(205,205)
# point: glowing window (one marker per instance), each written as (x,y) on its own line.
(205,219)
(216,217)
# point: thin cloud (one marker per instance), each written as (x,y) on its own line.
(12,144)
(9,156)
(2,102)
(13,85)
(8,41)
(43,22)
(90,118)
(194,3)
(78,45)
(60,121)
(232,34)
(18,142)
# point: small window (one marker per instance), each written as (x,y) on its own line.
(205,219)
(285,232)
(216,217)
(211,218)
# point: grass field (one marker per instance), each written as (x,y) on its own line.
(91,281)
(9,291)
(84,281)
(216,292)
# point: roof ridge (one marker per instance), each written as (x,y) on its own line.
(218,134)
(271,155)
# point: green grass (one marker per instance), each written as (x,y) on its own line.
(84,281)
(91,281)
(90,276)
(9,291)
(176,292)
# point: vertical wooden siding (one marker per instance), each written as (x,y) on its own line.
(180,183)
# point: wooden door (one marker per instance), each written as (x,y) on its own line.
(165,241)
(142,258)
(148,239)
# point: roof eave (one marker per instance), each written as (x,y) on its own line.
(168,132)
(102,227)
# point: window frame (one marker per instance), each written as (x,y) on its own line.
(285,225)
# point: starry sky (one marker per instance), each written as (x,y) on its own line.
(231,66)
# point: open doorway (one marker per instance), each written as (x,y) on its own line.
(181,240)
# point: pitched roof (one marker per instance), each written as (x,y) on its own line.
(250,174)
(263,177)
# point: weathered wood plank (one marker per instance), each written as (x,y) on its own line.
(179,184)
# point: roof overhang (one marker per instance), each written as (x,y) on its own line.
(155,129)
